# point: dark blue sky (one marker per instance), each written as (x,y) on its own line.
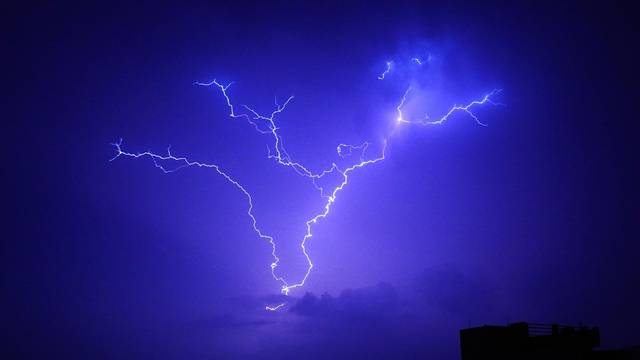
(532,218)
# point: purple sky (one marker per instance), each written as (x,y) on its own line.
(532,218)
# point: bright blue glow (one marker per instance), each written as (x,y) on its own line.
(266,125)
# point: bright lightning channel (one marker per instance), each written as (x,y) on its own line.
(464,108)
(267,125)
(274,308)
(386,71)
(422,61)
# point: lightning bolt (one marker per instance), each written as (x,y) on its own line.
(274,308)
(386,71)
(420,61)
(266,125)
(464,108)
(183,162)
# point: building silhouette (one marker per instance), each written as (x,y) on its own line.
(537,341)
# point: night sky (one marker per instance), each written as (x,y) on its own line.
(531,218)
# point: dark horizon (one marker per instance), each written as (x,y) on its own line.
(533,217)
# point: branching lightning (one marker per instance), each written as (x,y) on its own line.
(266,125)
(464,108)
(185,162)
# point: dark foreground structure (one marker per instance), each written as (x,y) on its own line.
(537,341)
